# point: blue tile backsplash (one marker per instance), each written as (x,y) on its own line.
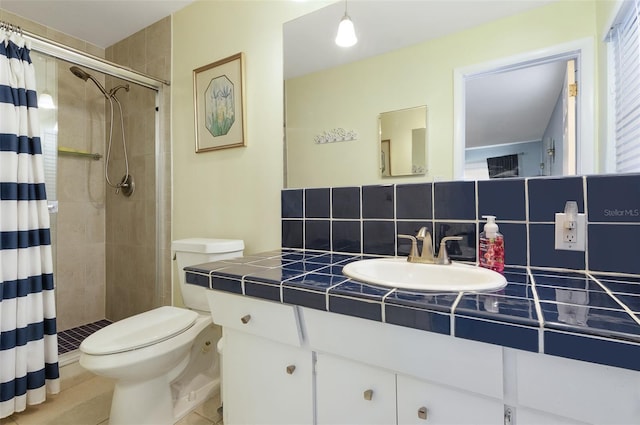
(614,198)
(316,203)
(378,202)
(573,304)
(454,200)
(367,219)
(548,196)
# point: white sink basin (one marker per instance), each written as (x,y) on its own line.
(399,273)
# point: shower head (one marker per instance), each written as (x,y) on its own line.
(82,74)
(78,72)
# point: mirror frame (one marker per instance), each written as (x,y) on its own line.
(585,160)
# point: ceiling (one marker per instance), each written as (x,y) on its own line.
(512,106)
(100,22)
(383,26)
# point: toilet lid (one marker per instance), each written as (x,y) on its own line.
(141,330)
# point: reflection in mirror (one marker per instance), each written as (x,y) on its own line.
(403,141)
(508,136)
(527,115)
(352,93)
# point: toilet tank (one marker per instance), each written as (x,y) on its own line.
(193,251)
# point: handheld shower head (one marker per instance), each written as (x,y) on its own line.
(78,72)
(82,74)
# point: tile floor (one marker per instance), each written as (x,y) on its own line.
(70,339)
(85,399)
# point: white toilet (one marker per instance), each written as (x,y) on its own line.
(165,360)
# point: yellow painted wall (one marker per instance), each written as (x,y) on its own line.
(352,96)
(231,193)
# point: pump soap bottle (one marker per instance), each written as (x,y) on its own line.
(491,246)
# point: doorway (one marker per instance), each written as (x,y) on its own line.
(540,152)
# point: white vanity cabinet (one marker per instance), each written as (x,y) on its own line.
(426,403)
(374,373)
(267,378)
(285,364)
(526,416)
(352,393)
(580,392)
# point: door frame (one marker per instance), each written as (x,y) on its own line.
(582,50)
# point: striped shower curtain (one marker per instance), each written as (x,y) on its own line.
(28,339)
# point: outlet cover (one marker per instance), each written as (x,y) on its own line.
(570,239)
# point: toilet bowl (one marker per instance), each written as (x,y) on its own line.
(164,361)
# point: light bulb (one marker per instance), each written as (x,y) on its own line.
(46,101)
(346,33)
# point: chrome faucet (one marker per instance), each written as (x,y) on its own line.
(426,256)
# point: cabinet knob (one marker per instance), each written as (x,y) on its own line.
(290,369)
(368,394)
(422,413)
(245,319)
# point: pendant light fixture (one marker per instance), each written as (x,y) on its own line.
(346,36)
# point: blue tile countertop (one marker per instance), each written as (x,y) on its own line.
(577,315)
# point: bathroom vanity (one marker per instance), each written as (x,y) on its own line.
(305,345)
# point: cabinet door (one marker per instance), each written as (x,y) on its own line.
(265,382)
(526,416)
(425,403)
(582,391)
(353,393)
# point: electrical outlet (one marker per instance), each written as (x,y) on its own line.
(570,235)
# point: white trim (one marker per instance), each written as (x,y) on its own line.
(609,149)
(582,49)
(611,20)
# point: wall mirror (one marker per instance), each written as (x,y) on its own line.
(403,142)
(456,50)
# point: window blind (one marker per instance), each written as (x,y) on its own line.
(626,43)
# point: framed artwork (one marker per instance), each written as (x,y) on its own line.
(220,104)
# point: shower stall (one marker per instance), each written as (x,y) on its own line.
(106,166)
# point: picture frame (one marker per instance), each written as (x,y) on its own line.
(219,104)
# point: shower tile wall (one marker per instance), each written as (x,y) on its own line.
(80,273)
(131,225)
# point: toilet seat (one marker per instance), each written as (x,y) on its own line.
(141,330)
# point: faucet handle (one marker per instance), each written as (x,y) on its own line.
(414,246)
(443,255)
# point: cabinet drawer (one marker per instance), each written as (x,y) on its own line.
(578,390)
(274,321)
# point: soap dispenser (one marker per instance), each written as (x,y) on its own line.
(491,246)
